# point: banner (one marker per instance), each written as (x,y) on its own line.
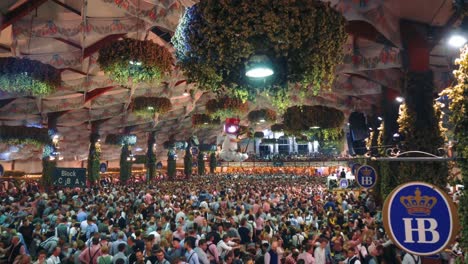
(70,177)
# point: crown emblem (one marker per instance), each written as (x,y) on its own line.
(418,205)
(366,171)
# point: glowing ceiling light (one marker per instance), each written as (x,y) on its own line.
(400,99)
(136,63)
(314,127)
(457,40)
(259,72)
(262,120)
(231,129)
(185,93)
(380,118)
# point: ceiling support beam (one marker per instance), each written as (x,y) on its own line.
(68,7)
(71,43)
(19,12)
(96,92)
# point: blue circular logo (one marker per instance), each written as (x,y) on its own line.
(420,218)
(344,183)
(103,167)
(366,176)
(159,165)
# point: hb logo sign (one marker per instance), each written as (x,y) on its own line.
(420,218)
(366,176)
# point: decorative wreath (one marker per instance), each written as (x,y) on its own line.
(303,39)
(259,134)
(17,135)
(225,107)
(203,120)
(262,115)
(138,60)
(277,127)
(114,139)
(28,77)
(304,118)
(148,106)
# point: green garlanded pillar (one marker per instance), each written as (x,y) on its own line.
(213,162)
(171,164)
(188,162)
(201,163)
(420,127)
(125,165)
(94,158)
(387,171)
(458,96)
(150,157)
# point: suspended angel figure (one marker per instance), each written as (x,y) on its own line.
(229,149)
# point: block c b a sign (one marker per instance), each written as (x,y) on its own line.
(420,218)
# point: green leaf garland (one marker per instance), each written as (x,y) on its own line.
(28,77)
(135,60)
(303,39)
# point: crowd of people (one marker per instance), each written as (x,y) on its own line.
(211,219)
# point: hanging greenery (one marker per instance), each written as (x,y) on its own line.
(277,128)
(226,107)
(94,158)
(201,163)
(135,60)
(419,125)
(203,120)
(119,140)
(327,134)
(262,116)
(28,77)
(18,135)
(302,39)
(125,165)
(303,118)
(148,106)
(458,96)
(213,162)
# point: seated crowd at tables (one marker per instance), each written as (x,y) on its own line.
(213,219)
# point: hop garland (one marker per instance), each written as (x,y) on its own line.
(17,135)
(148,106)
(304,41)
(226,107)
(136,60)
(262,115)
(203,120)
(28,77)
(302,118)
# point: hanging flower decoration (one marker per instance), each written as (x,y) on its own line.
(259,134)
(277,127)
(326,134)
(28,77)
(148,106)
(135,60)
(262,116)
(18,135)
(203,120)
(302,39)
(304,118)
(114,139)
(225,107)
